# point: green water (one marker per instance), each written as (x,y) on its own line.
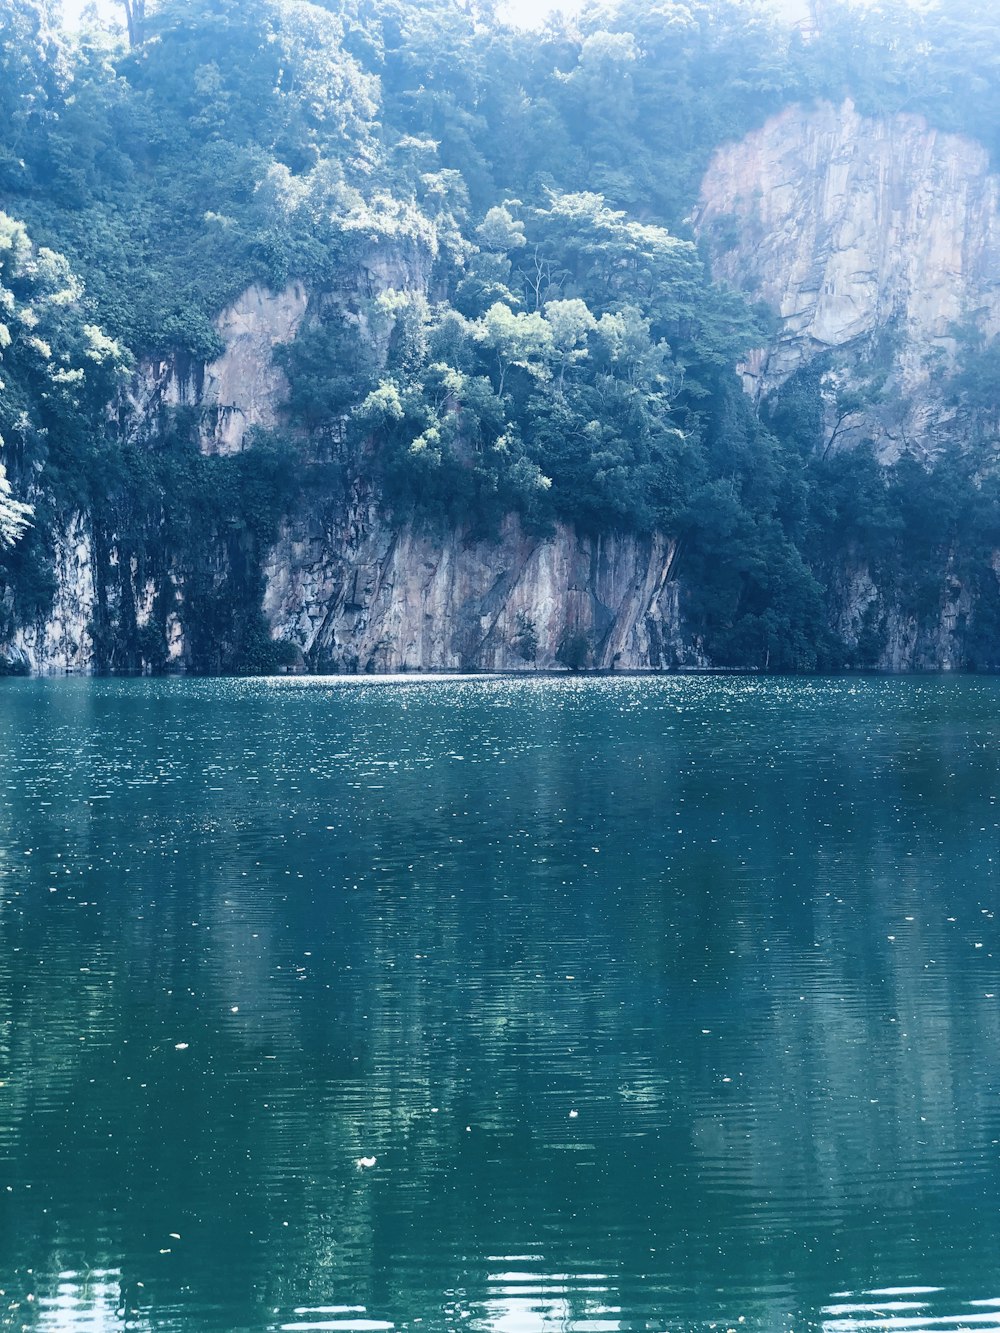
(660,1004)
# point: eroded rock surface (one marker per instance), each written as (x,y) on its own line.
(243,388)
(362,596)
(63,640)
(871,239)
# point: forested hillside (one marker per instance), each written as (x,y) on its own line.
(565,355)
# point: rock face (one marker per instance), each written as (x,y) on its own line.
(935,642)
(242,388)
(354,594)
(361,596)
(63,641)
(872,240)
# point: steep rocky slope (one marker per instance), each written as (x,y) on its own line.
(242,388)
(364,596)
(876,243)
(873,241)
(346,590)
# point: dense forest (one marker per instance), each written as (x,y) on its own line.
(569,357)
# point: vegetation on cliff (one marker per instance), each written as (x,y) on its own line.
(565,354)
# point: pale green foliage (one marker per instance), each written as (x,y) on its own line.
(329,92)
(501,231)
(634,355)
(570,323)
(602,52)
(45,346)
(100,347)
(384,218)
(44,333)
(14,515)
(400,321)
(517,339)
(383,405)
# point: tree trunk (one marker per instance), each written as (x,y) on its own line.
(135,17)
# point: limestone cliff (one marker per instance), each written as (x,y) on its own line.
(351,593)
(359,595)
(872,240)
(876,243)
(63,640)
(242,388)
(344,589)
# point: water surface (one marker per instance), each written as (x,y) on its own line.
(660,1005)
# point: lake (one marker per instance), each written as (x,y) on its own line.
(500,1005)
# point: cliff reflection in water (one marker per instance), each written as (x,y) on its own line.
(658,1003)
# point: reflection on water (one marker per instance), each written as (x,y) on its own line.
(894,1308)
(659,1004)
